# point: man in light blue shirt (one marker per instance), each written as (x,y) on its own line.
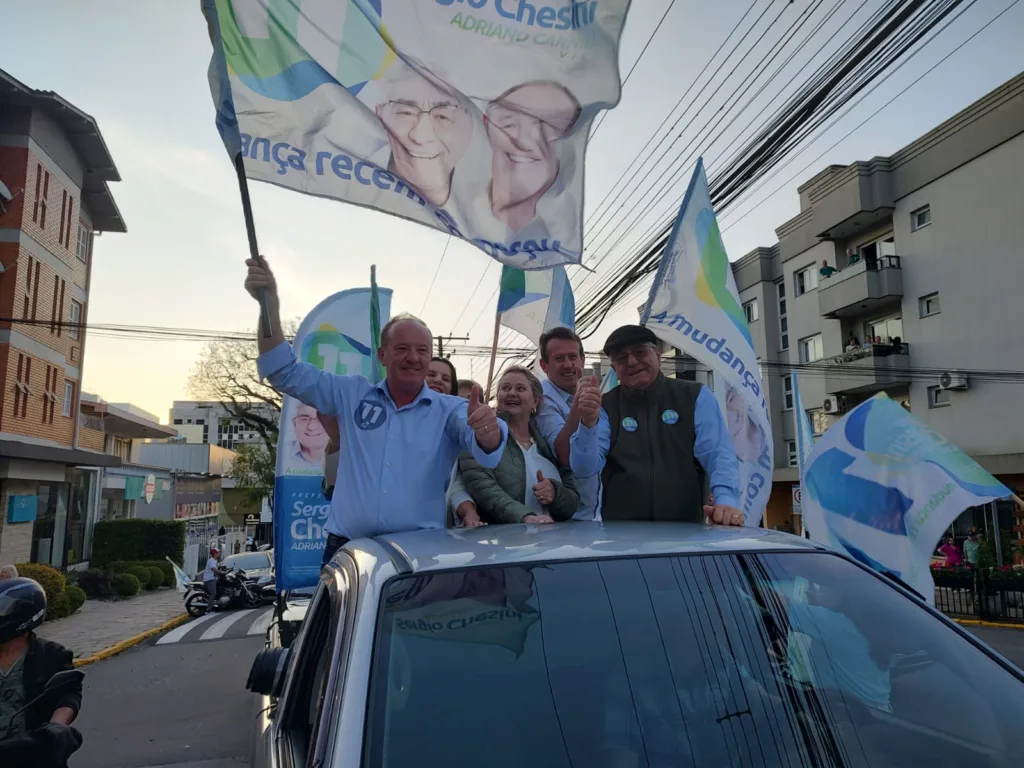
(401,438)
(658,440)
(561,359)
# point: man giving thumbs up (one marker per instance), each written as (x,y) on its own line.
(400,439)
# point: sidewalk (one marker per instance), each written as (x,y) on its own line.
(100,624)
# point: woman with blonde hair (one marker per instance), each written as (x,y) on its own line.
(528,485)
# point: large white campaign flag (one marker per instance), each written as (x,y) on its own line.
(694,306)
(468,116)
(882,486)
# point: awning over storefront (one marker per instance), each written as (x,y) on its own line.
(14,449)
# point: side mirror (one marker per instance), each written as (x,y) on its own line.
(266,677)
(70,678)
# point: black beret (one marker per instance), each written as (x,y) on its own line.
(628,335)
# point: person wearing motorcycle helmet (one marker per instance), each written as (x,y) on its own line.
(27,662)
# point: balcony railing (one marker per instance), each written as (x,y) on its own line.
(868,369)
(90,422)
(864,285)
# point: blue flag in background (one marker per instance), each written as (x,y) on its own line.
(883,487)
(536,301)
(804,433)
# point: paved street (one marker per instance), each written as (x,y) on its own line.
(1008,642)
(221,626)
(99,624)
(171,705)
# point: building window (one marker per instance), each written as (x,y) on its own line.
(811,349)
(123,448)
(783,317)
(177,421)
(791,450)
(806,280)
(21,386)
(886,329)
(751,312)
(84,243)
(35,291)
(938,397)
(69,398)
(787,393)
(920,218)
(929,305)
(63,216)
(76,319)
(67,229)
(818,420)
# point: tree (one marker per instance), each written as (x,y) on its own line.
(253,471)
(226,374)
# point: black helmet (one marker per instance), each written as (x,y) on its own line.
(22,607)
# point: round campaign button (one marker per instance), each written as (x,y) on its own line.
(669,416)
(629,424)
(370,414)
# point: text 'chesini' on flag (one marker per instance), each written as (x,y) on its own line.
(468,117)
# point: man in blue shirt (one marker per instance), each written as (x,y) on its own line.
(561,359)
(659,439)
(400,438)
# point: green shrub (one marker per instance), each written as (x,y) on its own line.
(53,582)
(119,566)
(126,585)
(156,577)
(76,597)
(95,582)
(165,568)
(58,608)
(138,540)
(141,573)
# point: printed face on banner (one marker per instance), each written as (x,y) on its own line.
(471,118)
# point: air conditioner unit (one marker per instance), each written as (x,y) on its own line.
(833,404)
(953,380)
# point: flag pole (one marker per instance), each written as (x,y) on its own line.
(254,249)
(494,354)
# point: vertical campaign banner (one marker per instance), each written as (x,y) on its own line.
(883,487)
(467,116)
(335,337)
(694,306)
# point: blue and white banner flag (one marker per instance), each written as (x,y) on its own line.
(804,433)
(336,337)
(694,306)
(609,381)
(537,301)
(468,116)
(883,487)
(180,577)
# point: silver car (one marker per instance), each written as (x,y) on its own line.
(625,646)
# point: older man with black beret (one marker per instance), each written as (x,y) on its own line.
(663,438)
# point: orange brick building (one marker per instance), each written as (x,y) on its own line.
(55,169)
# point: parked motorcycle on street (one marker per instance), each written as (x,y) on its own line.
(235,590)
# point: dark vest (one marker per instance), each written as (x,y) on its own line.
(651,472)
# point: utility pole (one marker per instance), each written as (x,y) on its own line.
(442,339)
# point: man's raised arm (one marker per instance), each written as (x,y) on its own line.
(277,362)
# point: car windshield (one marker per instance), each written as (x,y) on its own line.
(252,561)
(795,659)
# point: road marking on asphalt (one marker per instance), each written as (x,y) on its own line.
(222,626)
(176,634)
(259,626)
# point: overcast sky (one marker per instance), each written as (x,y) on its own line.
(140,69)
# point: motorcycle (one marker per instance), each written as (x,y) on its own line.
(234,590)
(51,745)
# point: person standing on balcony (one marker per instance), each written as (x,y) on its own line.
(852,345)
(826,270)
(972,547)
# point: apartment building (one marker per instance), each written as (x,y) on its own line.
(919,296)
(203,421)
(55,172)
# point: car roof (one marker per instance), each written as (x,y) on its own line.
(433,550)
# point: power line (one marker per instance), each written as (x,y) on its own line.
(436,271)
(593,133)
